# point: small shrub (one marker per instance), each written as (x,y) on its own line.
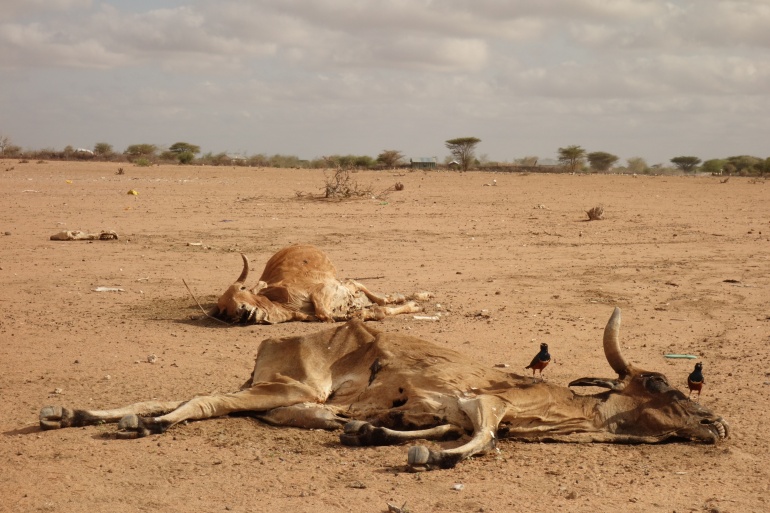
(143,162)
(186,157)
(595,214)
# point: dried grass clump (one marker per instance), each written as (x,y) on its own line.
(595,214)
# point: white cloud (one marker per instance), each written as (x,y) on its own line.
(450,65)
(14,8)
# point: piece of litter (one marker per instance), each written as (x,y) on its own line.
(426,317)
(80,235)
(132,192)
(392,508)
(195,244)
(458,486)
(108,289)
(686,356)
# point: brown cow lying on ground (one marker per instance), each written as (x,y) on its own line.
(300,283)
(388,388)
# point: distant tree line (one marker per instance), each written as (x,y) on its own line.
(462,156)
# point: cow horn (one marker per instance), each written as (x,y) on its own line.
(612,345)
(245,272)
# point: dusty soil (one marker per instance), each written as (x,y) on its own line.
(686,258)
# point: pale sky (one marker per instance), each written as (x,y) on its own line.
(636,78)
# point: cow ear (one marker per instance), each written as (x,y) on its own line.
(259,286)
(612,384)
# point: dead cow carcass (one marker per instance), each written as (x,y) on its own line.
(300,283)
(388,388)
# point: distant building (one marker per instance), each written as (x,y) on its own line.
(423,163)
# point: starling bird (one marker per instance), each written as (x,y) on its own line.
(540,361)
(695,379)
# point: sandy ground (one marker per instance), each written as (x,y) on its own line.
(686,258)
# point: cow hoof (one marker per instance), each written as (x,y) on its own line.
(354,426)
(418,457)
(131,427)
(356,433)
(53,417)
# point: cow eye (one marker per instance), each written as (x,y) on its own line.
(655,383)
(243,288)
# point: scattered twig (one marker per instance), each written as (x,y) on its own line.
(199,305)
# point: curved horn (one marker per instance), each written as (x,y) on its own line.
(612,345)
(245,272)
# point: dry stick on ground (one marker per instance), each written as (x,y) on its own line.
(398,186)
(595,214)
(199,305)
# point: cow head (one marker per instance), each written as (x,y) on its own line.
(642,406)
(240,303)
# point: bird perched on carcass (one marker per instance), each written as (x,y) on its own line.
(540,361)
(695,380)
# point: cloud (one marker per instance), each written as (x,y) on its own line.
(15,8)
(448,65)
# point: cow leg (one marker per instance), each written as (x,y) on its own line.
(378,313)
(305,416)
(377,299)
(56,417)
(485,412)
(410,307)
(259,398)
(359,433)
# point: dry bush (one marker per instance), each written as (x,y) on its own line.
(595,214)
(342,186)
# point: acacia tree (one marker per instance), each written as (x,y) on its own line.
(601,160)
(572,157)
(745,164)
(103,149)
(390,158)
(141,150)
(685,164)
(181,147)
(463,150)
(714,166)
(184,152)
(638,165)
